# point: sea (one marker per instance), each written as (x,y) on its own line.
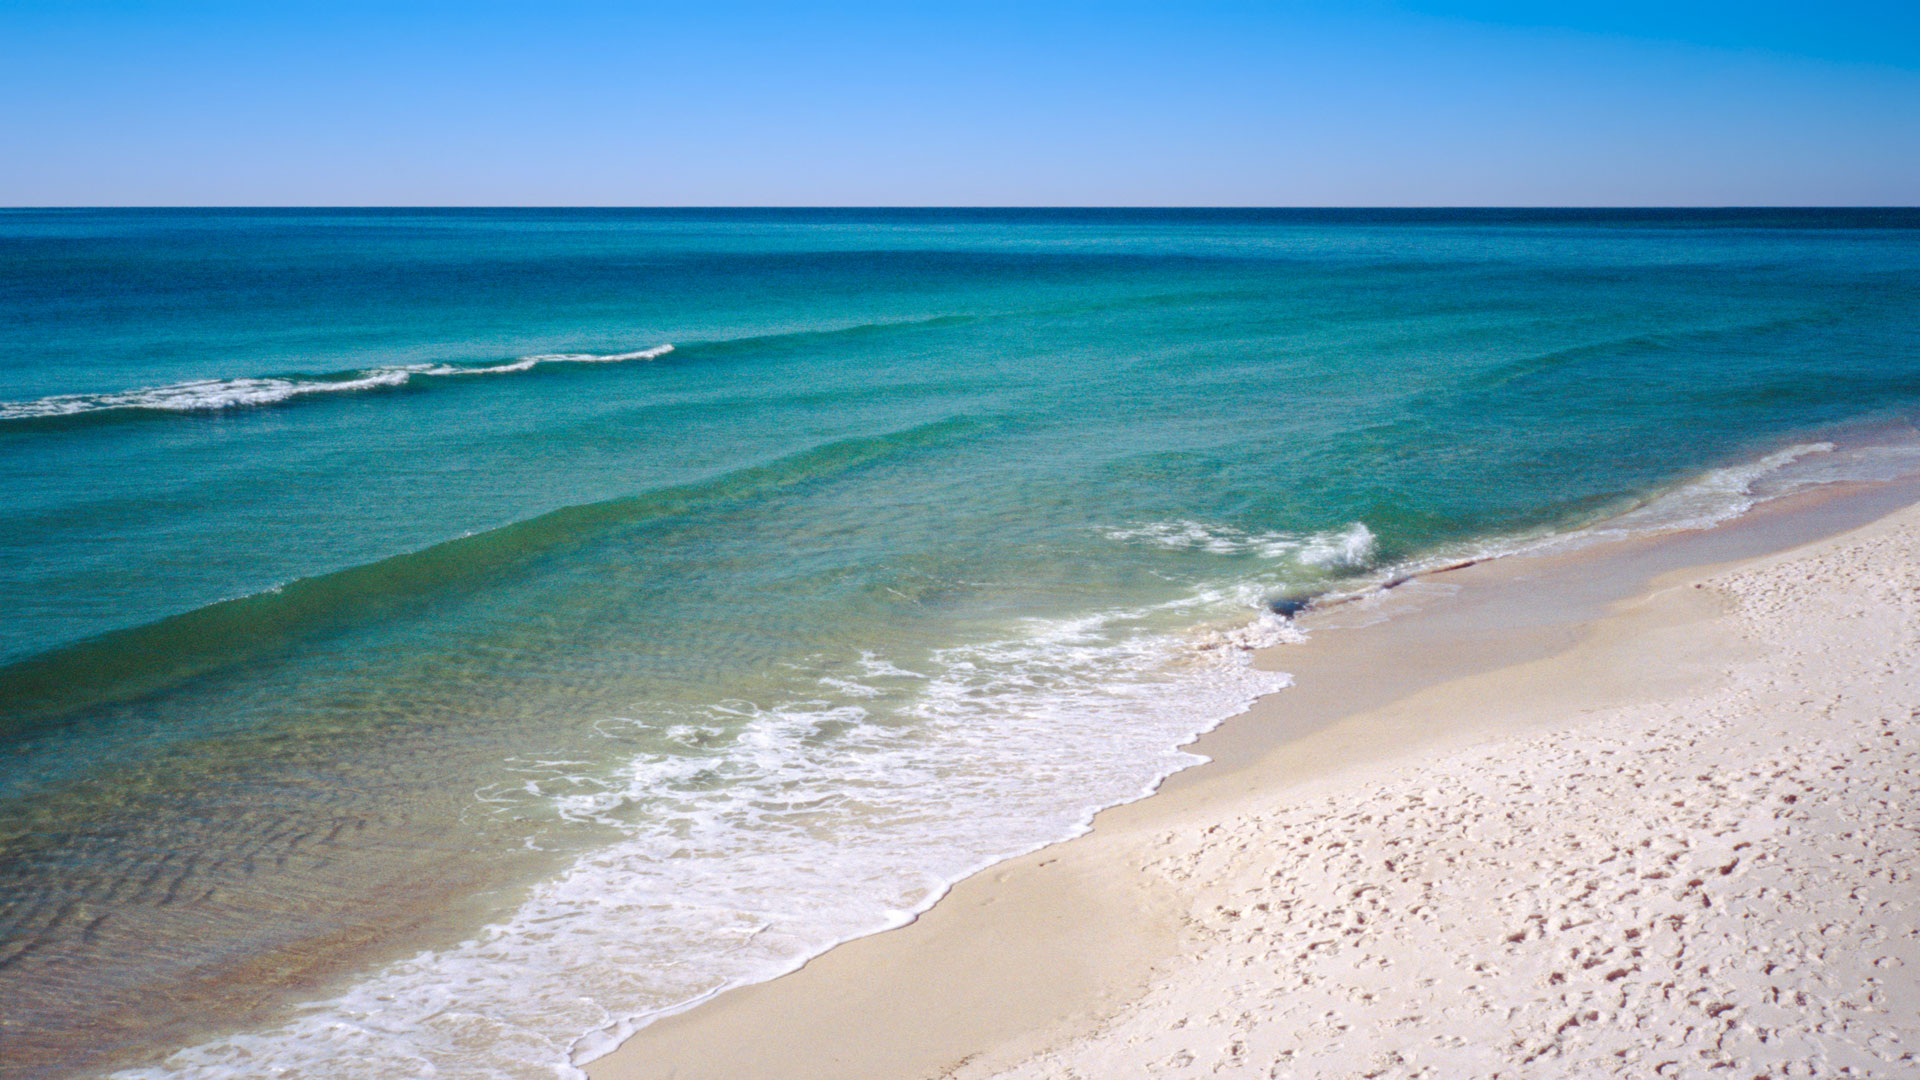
(438,642)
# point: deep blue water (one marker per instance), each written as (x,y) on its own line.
(364,563)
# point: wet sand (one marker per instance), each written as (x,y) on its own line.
(1461,844)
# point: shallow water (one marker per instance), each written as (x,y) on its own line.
(397,625)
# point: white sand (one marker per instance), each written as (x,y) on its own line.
(1716,881)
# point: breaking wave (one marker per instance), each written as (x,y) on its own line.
(213,395)
(764,832)
(1349,548)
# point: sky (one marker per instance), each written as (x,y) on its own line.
(567,102)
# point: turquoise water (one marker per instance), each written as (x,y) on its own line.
(390,610)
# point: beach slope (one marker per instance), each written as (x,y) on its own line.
(1682,844)
(1717,882)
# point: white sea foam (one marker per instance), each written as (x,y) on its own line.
(1709,499)
(601,358)
(1870,463)
(1713,497)
(1268,629)
(212,395)
(1701,502)
(1350,547)
(774,830)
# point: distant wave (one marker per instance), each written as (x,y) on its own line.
(1639,348)
(212,395)
(216,395)
(123,664)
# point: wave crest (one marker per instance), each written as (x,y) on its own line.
(1349,548)
(213,395)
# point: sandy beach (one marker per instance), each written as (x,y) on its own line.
(1640,809)
(1032,541)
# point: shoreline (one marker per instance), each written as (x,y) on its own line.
(1036,950)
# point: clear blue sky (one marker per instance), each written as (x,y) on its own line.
(1199,103)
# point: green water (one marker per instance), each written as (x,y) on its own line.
(376,585)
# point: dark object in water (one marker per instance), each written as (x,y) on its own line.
(1288,607)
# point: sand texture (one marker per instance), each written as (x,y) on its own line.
(1717,882)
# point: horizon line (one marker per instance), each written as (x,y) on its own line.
(966,206)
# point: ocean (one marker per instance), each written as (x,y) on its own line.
(439,641)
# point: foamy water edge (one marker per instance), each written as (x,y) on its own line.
(446,991)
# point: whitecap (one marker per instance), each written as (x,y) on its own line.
(213,395)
